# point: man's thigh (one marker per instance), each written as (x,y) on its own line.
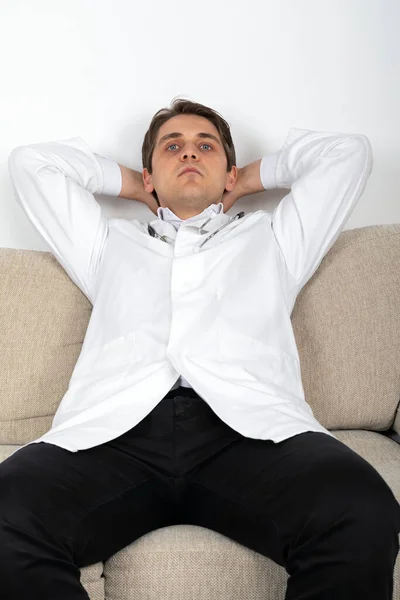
(262,494)
(93,502)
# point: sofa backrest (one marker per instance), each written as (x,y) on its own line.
(346,322)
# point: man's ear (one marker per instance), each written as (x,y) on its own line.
(231,178)
(147,181)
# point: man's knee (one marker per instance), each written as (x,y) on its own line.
(348,490)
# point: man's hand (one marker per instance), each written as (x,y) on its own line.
(133,189)
(248,182)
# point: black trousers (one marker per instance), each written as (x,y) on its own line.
(309,503)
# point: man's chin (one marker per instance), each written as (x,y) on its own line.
(189,197)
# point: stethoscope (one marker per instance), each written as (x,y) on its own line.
(154,233)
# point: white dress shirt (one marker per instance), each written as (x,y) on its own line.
(210,309)
(166,214)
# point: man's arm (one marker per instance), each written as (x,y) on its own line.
(133,188)
(327,173)
(55,183)
(253,178)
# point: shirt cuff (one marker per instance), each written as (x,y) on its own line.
(112,176)
(268,170)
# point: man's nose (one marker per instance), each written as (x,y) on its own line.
(186,153)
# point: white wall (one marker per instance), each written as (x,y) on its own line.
(100,70)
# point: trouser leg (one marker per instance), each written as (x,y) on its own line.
(310,503)
(62,510)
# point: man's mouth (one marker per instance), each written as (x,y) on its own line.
(190,170)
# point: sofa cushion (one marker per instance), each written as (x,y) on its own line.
(43,321)
(346,322)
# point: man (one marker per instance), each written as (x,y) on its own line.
(186,403)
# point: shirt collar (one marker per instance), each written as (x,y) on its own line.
(166,214)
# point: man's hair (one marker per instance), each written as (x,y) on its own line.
(186,107)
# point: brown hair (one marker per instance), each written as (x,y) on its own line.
(186,107)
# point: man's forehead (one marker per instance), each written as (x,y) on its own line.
(176,126)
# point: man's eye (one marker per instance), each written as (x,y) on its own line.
(170,146)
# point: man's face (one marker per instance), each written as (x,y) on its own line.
(189,141)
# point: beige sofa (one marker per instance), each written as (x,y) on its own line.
(347,327)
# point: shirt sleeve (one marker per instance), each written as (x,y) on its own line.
(327,174)
(54,184)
